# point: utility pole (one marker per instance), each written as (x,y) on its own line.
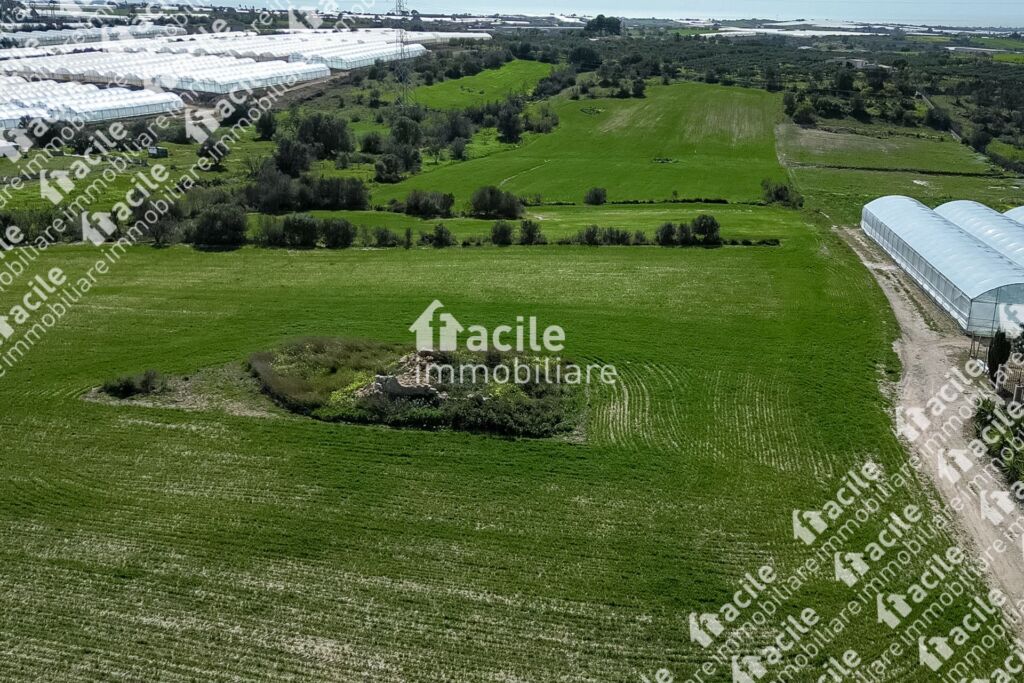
(401,68)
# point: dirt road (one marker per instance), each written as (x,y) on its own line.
(929,347)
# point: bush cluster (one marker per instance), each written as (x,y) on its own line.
(492,202)
(302,231)
(149,382)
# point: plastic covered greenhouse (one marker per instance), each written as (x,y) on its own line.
(1000,232)
(78,102)
(967,278)
(1016,214)
(202,74)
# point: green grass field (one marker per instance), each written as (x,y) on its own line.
(697,140)
(490,85)
(210,544)
(1011,57)
(813,147)
(841,193)
(180,161)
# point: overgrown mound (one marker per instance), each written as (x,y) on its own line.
(357,380)
(149,382)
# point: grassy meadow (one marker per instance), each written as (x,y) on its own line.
(491,85)
(839,172)
(692,139)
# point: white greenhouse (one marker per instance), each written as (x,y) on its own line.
(78,102)
(200,74)
(988,226)
(1016,214)
(965,277)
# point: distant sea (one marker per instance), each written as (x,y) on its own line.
(997,13)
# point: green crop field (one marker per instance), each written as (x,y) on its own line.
(1012,57)
(841,193)
(813,147)
(692,139)
(232,541)
(490,85)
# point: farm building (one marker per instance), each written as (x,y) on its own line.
(1016,214)
(966,277)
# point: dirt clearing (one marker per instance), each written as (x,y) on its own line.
(930,347)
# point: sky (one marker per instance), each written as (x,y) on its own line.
(1009,13)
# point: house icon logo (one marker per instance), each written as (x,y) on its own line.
(423,328)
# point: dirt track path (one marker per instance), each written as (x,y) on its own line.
(929,347)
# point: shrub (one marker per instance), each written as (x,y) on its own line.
(300,231)
(388,169)
(442,237)
(596,196)
(331,194)
(269,232)
(425,204)
(458,149)
(266,125)
(509,124)
(938,118)
(491,202)
(293,157)
(707,227)
(665,235)
(272,191)
(684,235)
(804,114)
(781,193)
(221,225)
(529,233)
(501,234)
(590,236)
(382,237)
(615,236)
(372,143)
(639,237)
(149,382)
(327,133)
(337,233)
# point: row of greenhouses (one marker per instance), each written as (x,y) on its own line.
(967,257)
(339,50)
(83,102)
(74,36)
(207,74)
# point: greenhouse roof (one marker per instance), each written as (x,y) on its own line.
(1016,214)
(986,225)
